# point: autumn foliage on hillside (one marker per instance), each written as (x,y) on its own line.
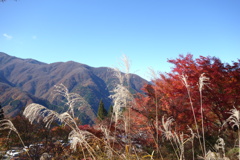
(169,94)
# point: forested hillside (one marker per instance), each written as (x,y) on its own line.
(36,80)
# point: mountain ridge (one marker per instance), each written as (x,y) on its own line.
(38,79)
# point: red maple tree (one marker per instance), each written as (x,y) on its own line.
(170,94)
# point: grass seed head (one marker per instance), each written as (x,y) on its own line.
(234,119)
(167,127)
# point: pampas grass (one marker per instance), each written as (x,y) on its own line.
(81,138)
(122,97)
(202,82)
(234,121)
(234,118)
(36,112)
(6,124)
(72,98)
(167,132)
(184,80)
(177,140)
(122,100)
(167,129)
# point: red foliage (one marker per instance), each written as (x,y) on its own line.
(170,96)
(84,127)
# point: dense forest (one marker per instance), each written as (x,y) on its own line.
(191,112)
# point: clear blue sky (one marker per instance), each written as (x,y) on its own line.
(99,32)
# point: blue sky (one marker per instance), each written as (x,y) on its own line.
(99,32)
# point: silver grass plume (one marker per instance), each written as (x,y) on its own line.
(72,98)
(234,119)
(122,95)
(37,112)
(121,99)
(167,133)
(184,78)
(81,138)
(126,64)
(6,124)
(203,81)
(125,67)
(177,141)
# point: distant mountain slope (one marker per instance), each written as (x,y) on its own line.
(38,79)
(13,100)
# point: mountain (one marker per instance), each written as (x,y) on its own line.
(13,100)
(34,81)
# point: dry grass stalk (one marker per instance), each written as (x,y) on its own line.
(234,118)
(202,82)
(107,141)
(167,129)
(183,78)
(122,95)
(155,77)
(6,124)
(122,98)
(177,140)
(218,154)
(192,140)
(36,112)
(72,98)
(81,138)
(167,132)
(234,121)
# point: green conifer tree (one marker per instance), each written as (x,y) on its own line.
(1,113)
(102,112)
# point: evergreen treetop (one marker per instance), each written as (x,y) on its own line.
(102,112)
